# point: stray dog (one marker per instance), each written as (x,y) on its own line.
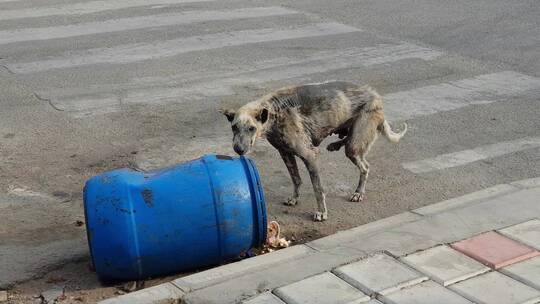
(295,120)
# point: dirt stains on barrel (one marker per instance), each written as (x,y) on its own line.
(148,197)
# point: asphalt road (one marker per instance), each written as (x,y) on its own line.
(95,85)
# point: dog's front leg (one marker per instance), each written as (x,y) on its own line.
(290,161)
(312,165)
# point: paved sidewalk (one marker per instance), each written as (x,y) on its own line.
(479,248)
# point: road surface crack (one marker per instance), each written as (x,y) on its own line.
(49,101)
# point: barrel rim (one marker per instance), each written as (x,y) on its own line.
(258,190)
(256,193)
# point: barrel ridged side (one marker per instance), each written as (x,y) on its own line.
(258,199)
(215,198)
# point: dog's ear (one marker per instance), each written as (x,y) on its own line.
(228,113)
(262,116)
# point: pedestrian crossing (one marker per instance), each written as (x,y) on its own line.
(138,52)
(327,47)
(156,90)
(84,8)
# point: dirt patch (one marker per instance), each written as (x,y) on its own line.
(80,286)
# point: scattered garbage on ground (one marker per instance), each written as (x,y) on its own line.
(274,240)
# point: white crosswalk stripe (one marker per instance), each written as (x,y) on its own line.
(133,23)
(85,8)
(453,95)
(138,52)
(464,157)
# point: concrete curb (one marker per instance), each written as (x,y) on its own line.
(527,183)
(466,199)
(345,236)
(159,294)
(225,272)
(183,287)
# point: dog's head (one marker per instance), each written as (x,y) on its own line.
(248,123)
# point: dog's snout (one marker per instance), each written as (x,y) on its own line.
(238,149)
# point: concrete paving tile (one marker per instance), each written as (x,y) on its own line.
(527,233)
(527,272)
(424,293)
(494,250)
(265,298)
(400,240)
(444,264)
(380,274)
(494,287)
(324,288)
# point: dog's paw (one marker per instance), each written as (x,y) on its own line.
(291,201)
(320,216)
(357,197)
(335,146)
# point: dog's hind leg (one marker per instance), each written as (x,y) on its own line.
(363,135)
(363,166)
(290,161)
(312,164)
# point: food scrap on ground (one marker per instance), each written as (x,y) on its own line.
(274,239)
(273,242)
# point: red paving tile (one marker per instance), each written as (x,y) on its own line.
(494,250)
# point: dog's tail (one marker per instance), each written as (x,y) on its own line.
(392,136)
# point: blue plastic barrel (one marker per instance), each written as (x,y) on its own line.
(195,214)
